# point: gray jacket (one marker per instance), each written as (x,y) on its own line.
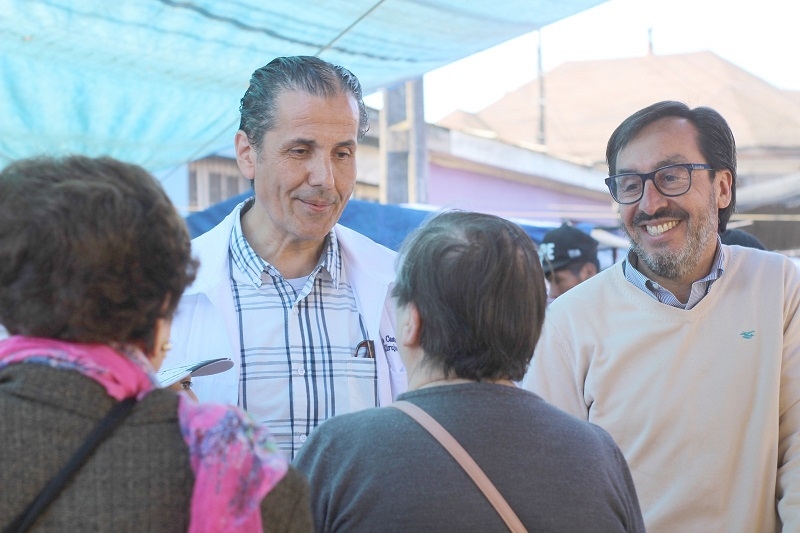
(137,480)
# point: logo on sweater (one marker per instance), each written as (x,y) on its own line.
(748,334)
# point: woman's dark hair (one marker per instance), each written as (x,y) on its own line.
(714,139)
(478,285)
(91,251)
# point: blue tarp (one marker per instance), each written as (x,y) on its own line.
(384,224)
(158,82)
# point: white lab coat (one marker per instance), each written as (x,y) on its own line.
(205,325)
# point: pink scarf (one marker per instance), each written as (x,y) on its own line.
(234,459)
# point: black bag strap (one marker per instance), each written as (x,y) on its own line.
(101,431)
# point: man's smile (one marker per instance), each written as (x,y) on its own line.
(654,231)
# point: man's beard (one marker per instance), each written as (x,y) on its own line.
(676,264)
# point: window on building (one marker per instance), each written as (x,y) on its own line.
(193,202)
(214,187)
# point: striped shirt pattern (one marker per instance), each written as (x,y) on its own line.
(299,363)
(700,287)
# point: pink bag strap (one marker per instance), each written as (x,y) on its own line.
(465,460)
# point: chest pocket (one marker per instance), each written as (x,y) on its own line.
(362,383)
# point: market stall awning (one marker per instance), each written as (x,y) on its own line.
(158,82)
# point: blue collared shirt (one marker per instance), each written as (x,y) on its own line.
(699,290)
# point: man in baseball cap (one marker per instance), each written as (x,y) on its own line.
(569,257)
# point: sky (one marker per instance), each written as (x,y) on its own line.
(760,37)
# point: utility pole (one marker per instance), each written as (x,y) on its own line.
(403,149)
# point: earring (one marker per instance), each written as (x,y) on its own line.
(167,346)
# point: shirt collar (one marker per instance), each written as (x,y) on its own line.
(700,287)
(253,266)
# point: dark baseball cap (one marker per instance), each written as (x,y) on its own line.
(564,245)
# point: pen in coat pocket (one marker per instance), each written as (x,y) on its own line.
(365,348)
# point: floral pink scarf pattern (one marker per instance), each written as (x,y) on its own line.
(234,459)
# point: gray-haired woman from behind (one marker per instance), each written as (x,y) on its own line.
(470,306)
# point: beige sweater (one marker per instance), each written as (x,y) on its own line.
(703,403)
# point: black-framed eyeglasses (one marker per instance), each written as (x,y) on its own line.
(671,180)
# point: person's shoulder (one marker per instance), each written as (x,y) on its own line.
(362,254)
(601,279)
(576,429)
(748,253)
(345,436)
(360,419)
(587,293)
(340,428)
(210,249)
(159,405)
(745,259)
(286,506)
(221,231)
(350,239)
(61,390)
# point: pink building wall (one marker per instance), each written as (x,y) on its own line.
(456,188)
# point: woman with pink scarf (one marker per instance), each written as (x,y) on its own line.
(93,260)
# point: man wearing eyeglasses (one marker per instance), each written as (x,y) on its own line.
(688,351)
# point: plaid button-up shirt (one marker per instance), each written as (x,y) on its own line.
(299,338)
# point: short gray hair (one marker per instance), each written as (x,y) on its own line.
(478,284)
(308,74)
